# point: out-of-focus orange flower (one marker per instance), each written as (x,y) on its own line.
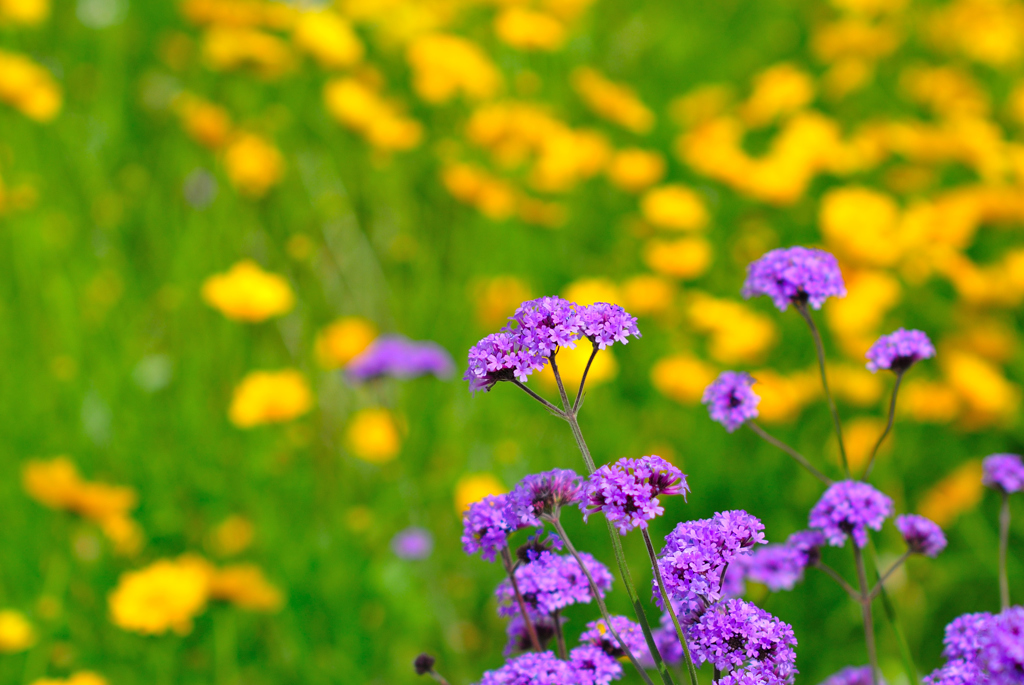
(779,91)
(79,678)
(675,207)
(686,258)
(446,65)
(226,48)
(24,12)
(360,108)
(634,169)
(737,333)
(497,298)
(273,15)
(682,377)
(16,633)
(253,165)
(988,397)
(859,437)
(474,487)
(929,401)
(245,586)
(231,536)
(526,29)
(328,38)
(344,340)
(270,397)
(784,397)
(954,495)
(590,290)
(166,595)
(855,220)
(493,197)
(372,435)
(29,88)
(571,364)
(248,293)
(206,123)
(613,101)
(647,294)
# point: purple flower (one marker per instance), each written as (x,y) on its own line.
(958,672)
(1004,472)
(697,553)
(780,567)
(795,274)
(484,527)
(552,582)
(605,324)
(533,668)
(922,535)
(397,356)
(899,350)
(962,639)
(593,666)
(734,634)
(547,323)
(730,400)
(500,357)
(1001,657)
(627,491)
(849,508)
(629,632)
(851,675)
(519,638)
(541,495)
(412,543)
(809,544)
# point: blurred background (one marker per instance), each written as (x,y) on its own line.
(209,208)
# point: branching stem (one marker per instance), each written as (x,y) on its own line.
(877,590)
(888,425)
(800,459)
(506,558)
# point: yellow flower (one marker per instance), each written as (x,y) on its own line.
(947,91)
(955,494)
(226,48)
(248,293)
(587,291)
(445,65)
(571,364)
(613,101)
(784,397)
(329,38)
(16,633)
(372,435)
(682,377)
(497,298)
(493,197)
(24,12)
(855,319)
(28,87)
(634,169)
(929,401)
(206,123)
(270,397)
(854,37)
(701,105)
(738,334)
(987,31)
(647,294)
(344,340)
(686,258)
(567,157)
(125,533)
(859,437)
(253,165)
(358,107)
(272,15)
(987,396)
(526,29)
(855,220)
(856,385)
(779,91)
(474,487)
(674,206)
(231,536)
(79,678)
(245,586)
(165,595)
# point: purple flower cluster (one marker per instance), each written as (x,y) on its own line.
(922,535)
(627,491)
(593,666)
(1004,472)
(730,400)
(795,274)
(605,324)
(983,649)
(780,567)
(697,553)
(412,543)
(399,357)
(533,668)
(519,637)
(666,639)
(500,357)
(899,350)
(850,508)
(485,528)
(541,495)
(629,632)
(737,636)
(552,582)
(851,675)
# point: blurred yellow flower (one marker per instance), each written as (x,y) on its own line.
(497,298)
(270,397)
(682,377)
(702,104)
(634,169)
(955,494)
(206,123)
(493,197)
(253,165)
(344,340)
(784,397)
(587,291)
(79,678)
(686,258)
(855,319)
(474,487)
(372,435)
(674,206)
(738,333)
(779,91)
(24,12)
(526,29)
(988,397)
(245,586)
(166,595)
(572,362)
(855,384)
(945,90)
(854,37)
(226,48)
(929,401)
(248,293)
(987,31)
(647,294)
(855,220)
(859,436)
(28,87)
(360,108)
(612,101)
(273,15)
(328,38)
(540,213)
(231,536)
(445,65)
(16,633)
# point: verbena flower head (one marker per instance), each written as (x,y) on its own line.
(500,357)
(533,668)
(631,634)
(593,666)
(795,274)
(697,552)
(780,567)
(412,543)
(485,528)
(399,357)
(627,491)
(547,323)
(1004,472)
(899,350)
(605,324)
(734,635)
(851,675)
(809,544)
(730,400)
(552,582)
(962,639)
(519,638)
(958,672)
(849,508)
(1001,657)
(541,495)
(922,535)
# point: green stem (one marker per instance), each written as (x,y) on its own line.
(666,600)
(506,559)
(865,608)
(800,459)
(880,584)
(559,635)
(1004,541)
(888,425)
(579,393)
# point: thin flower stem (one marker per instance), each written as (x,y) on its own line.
(1004,541)
(877,590)
(865,608)
(437,676)
(552,408)
(666,600)
(834,575)
(800,459)
(820,349)
(559,635)
(717,676)
(506,557)
(579,393)
(888,425)
(600,602)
